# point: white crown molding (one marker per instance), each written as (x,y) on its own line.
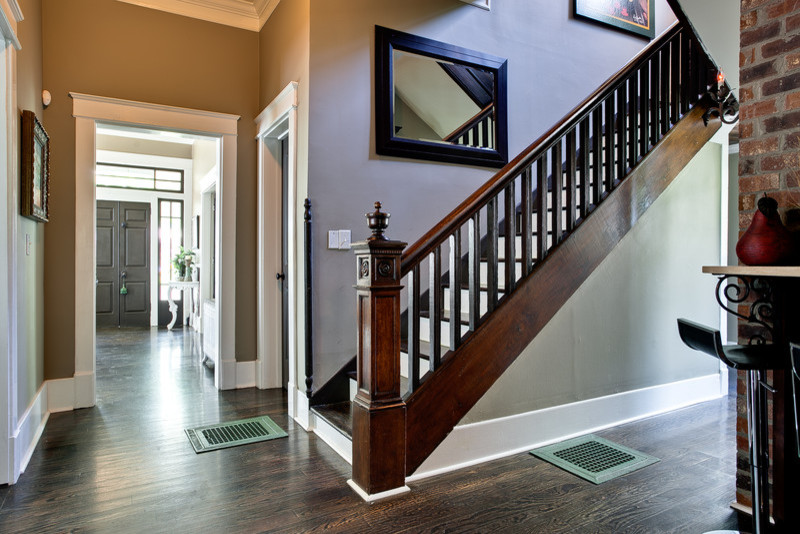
(483,4)
(245,14)
(10,15)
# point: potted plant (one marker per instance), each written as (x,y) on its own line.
(182,263)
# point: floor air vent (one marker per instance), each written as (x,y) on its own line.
(595,459)
(224,435)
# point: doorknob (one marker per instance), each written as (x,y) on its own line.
(280,276)
(124,225)
(123,274)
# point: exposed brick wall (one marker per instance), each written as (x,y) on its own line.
(769,132)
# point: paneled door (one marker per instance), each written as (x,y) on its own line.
(123,263)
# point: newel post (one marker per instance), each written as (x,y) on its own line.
(379,413)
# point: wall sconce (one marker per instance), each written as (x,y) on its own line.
(723,104)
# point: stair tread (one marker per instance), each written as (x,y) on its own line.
(339,415)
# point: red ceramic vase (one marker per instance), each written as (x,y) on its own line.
(766,241)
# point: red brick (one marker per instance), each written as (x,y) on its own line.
(792,61)
(745,219)
(783,8)
(779,162)
(745,94)
(759,109)
(757,147)
(780,46)
(759,34)
(793,100)
(757,72)
(792,141)
(747,166)
(793,23)
(747,56)
(745,130)
(747,202)
(786,121)
(793,179)
(787,199)
(761,182)
(748,20)
(751,4)
(781,85)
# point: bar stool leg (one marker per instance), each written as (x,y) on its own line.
(757,433)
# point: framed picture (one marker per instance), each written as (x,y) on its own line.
(636,16)
(35,168)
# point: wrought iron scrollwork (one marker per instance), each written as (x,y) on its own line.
(737,290)
(723,104)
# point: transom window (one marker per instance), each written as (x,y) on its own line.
(135,177)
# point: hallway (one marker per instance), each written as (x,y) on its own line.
(127,466)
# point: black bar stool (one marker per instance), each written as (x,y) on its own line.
(755,360)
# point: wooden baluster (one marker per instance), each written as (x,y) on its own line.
(654,123)
(435,307)
(686,55)
(557,186)
(644,109)
(622,130)
(308,312)
(474,271)
(379,413)
(541,208)
(510,230)
(665,54)
(414,301)
(597,155)
(526,230)
(698,74)
(585,170)
(572,181)
(610,142)
(675,77)
(492,231)
(487,142)
(455,290)
(634,110)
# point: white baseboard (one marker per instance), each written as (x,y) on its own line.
(245,375)
(228,374)
(299,409)
(65,394)
(335,439)
(376,496)
(476,443)
(29,429)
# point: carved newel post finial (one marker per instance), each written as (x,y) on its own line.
(378,221)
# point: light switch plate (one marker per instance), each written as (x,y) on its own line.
(344,239)
(333,239)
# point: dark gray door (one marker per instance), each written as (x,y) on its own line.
(123,264)
(285,261)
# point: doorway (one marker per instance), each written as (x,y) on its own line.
(284,288)
(123,264)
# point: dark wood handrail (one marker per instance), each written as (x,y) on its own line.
(470,123)
(415,253)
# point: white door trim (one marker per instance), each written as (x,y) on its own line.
(88,110)
(276,122)
(10,467)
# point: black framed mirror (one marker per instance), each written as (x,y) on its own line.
(439,102)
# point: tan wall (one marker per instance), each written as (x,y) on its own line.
(112,49)
(30,263)
(283,49)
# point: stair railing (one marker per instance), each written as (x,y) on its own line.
(529,207)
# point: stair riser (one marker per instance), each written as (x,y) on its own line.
(444,329)
(424,366)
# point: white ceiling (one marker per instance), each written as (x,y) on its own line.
(245,14)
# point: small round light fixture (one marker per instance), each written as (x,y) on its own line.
(46,98)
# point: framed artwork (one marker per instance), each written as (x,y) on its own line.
(35,168)
(636,16)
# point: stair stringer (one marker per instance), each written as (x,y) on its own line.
(445,396)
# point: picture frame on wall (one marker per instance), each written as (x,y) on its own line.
(35,169)
(635,16)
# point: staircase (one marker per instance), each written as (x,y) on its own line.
(515,251)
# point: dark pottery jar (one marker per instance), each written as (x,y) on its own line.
(766,241)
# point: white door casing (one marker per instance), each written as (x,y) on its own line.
(88,110)
(276,122)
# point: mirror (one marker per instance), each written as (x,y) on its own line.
(439,102)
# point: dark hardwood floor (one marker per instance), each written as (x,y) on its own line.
(127,466)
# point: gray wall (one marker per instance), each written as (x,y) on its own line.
(618,331)
(554,62)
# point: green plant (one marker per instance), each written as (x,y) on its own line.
(179,260)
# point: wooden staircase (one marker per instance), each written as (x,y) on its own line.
(567,200)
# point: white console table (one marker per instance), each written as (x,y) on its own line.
(173,308)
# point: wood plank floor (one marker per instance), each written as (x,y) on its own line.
(127,466)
